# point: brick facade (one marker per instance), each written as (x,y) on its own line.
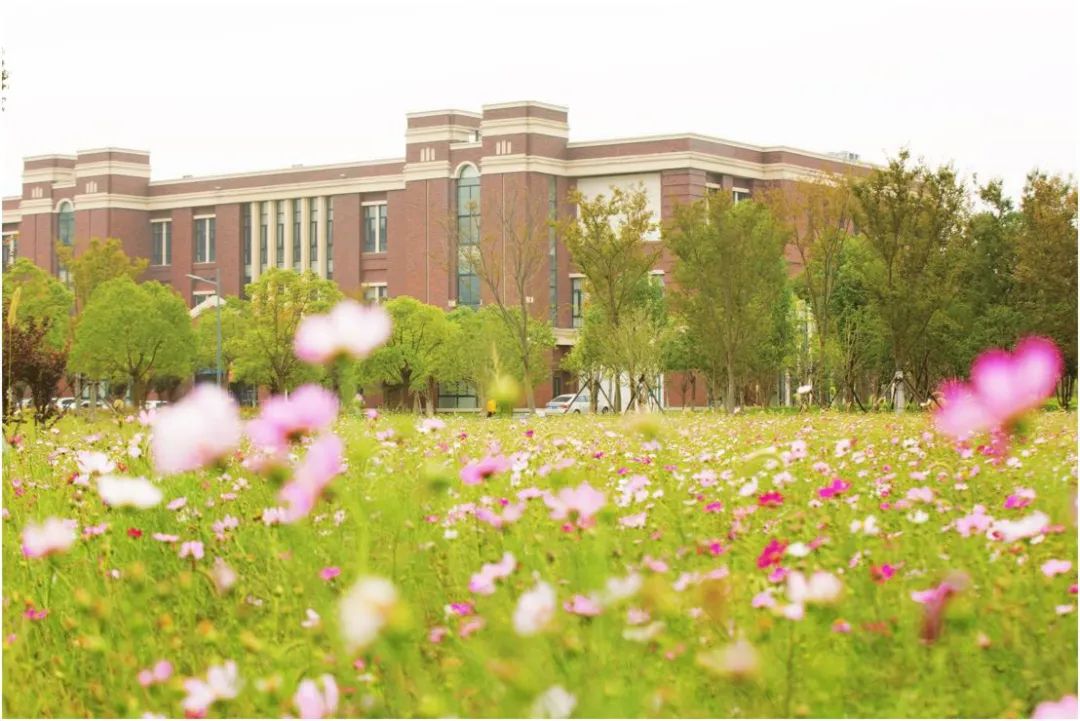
(521,151)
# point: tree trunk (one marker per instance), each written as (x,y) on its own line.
(729,396)
(138,392)
(431,397)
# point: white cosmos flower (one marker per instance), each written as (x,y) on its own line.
(556,702)
(120,492)
(821,588)
(535,609)
(868,526)
(365,610)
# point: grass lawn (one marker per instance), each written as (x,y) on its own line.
(680,596)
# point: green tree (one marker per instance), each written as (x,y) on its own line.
(817,217)
(262,351)
(41,298)
(1046,266)
(413,358)
(101,262)
(133,332)
(731,275)
(912,218)
(607,243)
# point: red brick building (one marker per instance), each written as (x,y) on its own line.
(383,226)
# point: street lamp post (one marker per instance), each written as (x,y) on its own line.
(216,282)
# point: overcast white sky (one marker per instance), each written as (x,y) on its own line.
(233,86)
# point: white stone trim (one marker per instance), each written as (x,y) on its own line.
(50,156)
(47,175)
(204,216)
(320,235)
(112,149)
(431,113)
(112,167)
(372,202)
(439,133)
(427,171)
(526,103)
(279,171)
(514,126)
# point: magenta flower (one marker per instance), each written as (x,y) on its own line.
(199,430)
(322,462)
(883,572)
(835,488)
(35,614)
(772,554)
(476,472)
(52,536)
(1063,709)
(308,409)
(579,504)
(312,703)
(330,572)
(483,582)
(350,329)
(934,601)
(772,499)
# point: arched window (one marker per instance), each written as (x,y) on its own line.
(468,235)
(66,222)
(65,232)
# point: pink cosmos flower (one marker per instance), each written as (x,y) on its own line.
(934,601)
(91,531)
(471,626)
(165,537)
(52,536)
(193,549)
(511,514)
(772,554)
(199,430)
(1063,709)
(90,462)
(1003,387)
(835,488)
(476,472)
(483,582)
(460,608)
(35,614)
(160,672)
(1027,527)
(924,494)
(579,504)
(437,634)
(1014,501)
(764,599)
(322,462)
(177,503)
(330,572)
(583,606)
(308,409)
(975,522)
(350,329)
(310,702)
(1054,567)
(636,520)
(223,575)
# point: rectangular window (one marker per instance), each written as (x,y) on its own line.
(740,194)
(204,240)
(375,293)
(577,301)
(246,241)
(329,237)
(161,239)
(313,233)
(297,241)
(264,235)
(457,395)
(279,239)
(200,296)
(375,228)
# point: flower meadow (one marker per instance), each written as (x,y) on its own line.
(309,562)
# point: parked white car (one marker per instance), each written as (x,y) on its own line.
(566,403)
(64,404)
